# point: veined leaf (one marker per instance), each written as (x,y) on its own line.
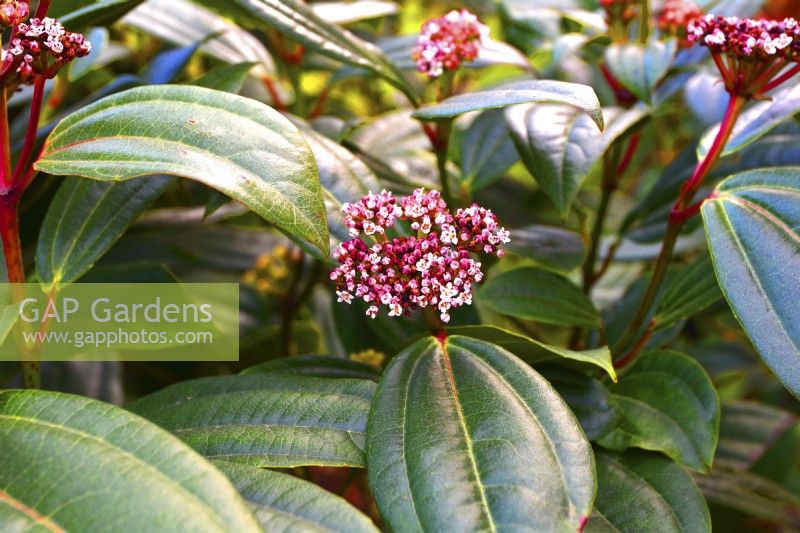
(267,420)
(236,145)
(576,95)
(640,67)
(321,366)
(282,502)
(85,219)
(589,399)
(69,463)
(553,248)
(462,435)
(668,404)
(646,492)
(747,430)
(752,226)
(487,150)
(689,291)
(535,294)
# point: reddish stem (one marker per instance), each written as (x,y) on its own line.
(272,88)
(41,11)
(780,79)
(5,145)
(637,349)
(9,228)
(30,135)
(630,151)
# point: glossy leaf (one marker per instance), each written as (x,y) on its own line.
(321,366)
(587,397)
(85,219)
(532,351)
(284,503)
(233,144)
(581,97)
(689,291)
(462,435)
(752,227)
(487,150)
(562,147)
(756,121)
(646,492)
(640,67)
(349,12)
(275,420)
(668,404)
(536,294)
(69,463)
(551,247)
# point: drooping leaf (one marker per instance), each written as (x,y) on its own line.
(551,247)
(85,218)
(233,144)
(639,67)
(532,351)
(752,226)
(756,121)
(641,491)
(68,463)
(463,435)
(264,419)
(535,294)
(576,95)
(562,147)
(284,503)
(487,150)
(321,366)
(689,291)
(747,430)
(668,404)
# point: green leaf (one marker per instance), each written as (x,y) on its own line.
(752,226)
(275,420)
(487,150)
(553,248)
(228,78)
(588,398)
(85,218)
(646,492)
(349,12)
(236,145)
(576,95)
(321,366)
(535,294)
(687,292)
(297,20)
(640,67)
(76,15)
(748,429)
(281,502)
(69,463)
(756,121)
(532,351)
(562,147)
(462,435)
(668,404)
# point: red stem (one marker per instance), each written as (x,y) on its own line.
(41,11)
(5,146)
(780,79)
(33,128)
(272,88)
(630,151)
(637,349)
(9,229)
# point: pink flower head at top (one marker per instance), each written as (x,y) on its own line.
(750,54)
(675,16)
(445,42)
(13,12)
(41,47)
(433,268)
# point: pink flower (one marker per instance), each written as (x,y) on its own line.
(675,16)
(434,268)
(41,47)
(13,12)
(447,41)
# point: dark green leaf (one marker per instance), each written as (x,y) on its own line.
(284,503)
(85,218)
(275,420)
(76,15)
(748,429)
(752,227)
(233,144)
(321,366)
(781,463)
(588,398)
(646,492)
(487,150)
(536,294)
(552,248)
(688,291)
(69,463)
(532,351)
(576,95)
(462,435)
(640,67)
(228,78)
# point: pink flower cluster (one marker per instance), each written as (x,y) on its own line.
(675,16)
(434,268)
(447,41)
(13,12)
(41,47)
(747,38)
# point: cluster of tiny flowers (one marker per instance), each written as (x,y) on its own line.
(675,16)
(747,38)
(13,12)
(447,41)
(432,269)
(41,47)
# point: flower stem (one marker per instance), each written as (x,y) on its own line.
(435,323)
(23,163)
(6,180)
(676,222)
(441,146)
(644,22)
(41,11)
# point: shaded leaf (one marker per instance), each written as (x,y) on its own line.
(748,429)
(487,150)
(639,67)
(78,15)
(588,398)
(228,78)
(321,366)
(551,247)
(689,291)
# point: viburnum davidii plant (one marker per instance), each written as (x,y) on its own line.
(500,266)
